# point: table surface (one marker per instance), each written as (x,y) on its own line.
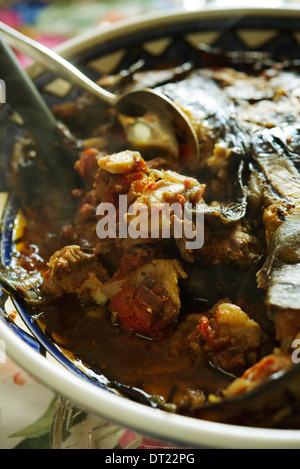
(27,407)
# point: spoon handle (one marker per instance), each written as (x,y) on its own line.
(23,96)
(54,62)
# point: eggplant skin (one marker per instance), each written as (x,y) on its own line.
(275,157)
(18,281)
(280,274)
(273,404)
(212,115)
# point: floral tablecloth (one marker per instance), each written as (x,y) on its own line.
(27,408)
(31,416)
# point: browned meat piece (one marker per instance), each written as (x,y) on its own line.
(230,244)
(113,176)
(72,271)
(146,301)
(127,173)
(227,338)
(156,190)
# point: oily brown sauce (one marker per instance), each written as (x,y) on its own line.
(158,367)
(84,332)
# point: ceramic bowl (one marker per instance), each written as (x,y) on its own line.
(155,38)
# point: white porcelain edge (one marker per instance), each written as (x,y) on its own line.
(119,410)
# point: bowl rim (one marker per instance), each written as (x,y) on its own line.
(158,423)
(117,409)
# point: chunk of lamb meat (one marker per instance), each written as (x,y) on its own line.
(227,338)
(72,271)
(146,186)
(156,192)
(126,173)
(147,300)
(102,185)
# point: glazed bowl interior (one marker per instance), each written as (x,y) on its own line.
(155,39)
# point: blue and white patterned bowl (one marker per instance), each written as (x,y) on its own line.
(154,38)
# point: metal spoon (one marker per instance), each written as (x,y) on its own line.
(133,102)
